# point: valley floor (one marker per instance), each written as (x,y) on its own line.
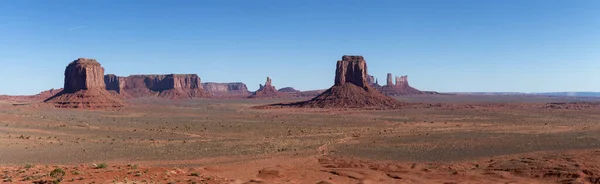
(466,140)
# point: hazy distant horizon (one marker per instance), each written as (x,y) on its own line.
(468,45)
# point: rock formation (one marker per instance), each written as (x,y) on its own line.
(373,81)
(48,93)
(350,90)
(84,87)
(401,87)
(288,90)
(113,82)
(234,89)
(389,80)
(266,91)
(28,98)
(174,86)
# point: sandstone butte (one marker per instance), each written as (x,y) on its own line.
(266,91)
(84,87)
(400,87)
(351,89)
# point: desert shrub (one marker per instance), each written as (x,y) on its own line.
(101,166)
(58,174)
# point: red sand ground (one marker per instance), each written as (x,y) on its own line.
(226,141)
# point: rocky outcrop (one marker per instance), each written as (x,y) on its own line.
(28,98)
(350,90)
(48,93)
(373,81)
(84,74)
(266,91)
(174,86)
(351,69)
(113,82)
(288,90)
(400,88)
(84,87)
(234,89)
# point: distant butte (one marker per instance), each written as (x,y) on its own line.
(228,90)
(84,87)
(266,91)
(351,89)
(397,86)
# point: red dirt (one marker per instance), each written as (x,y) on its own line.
(87,99)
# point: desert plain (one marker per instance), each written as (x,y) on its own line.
(432,139)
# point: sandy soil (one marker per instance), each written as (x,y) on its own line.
(471,140)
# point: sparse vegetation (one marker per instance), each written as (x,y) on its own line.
(100,166)
(58,174)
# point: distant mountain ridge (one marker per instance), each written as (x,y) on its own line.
(569,94)
(574,94)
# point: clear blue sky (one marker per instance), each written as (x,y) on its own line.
(442,45)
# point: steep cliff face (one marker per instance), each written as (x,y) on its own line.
(84,87)
(84,74)
(351,69)
(165,86)
(234,89)
(112,83)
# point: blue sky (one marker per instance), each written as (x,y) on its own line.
(448,46)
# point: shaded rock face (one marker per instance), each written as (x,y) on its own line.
(112,82)
(351,89)
(84,74)
(84,87)
(389,80)
(234,89)
(266,91)
(351,69)
(372,81)
(174,86)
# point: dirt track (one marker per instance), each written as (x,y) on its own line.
(228,141)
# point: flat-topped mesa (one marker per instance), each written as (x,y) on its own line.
(389,80)
(351,69)
(84,87)
(84,74)
(233,89)
(174,86)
